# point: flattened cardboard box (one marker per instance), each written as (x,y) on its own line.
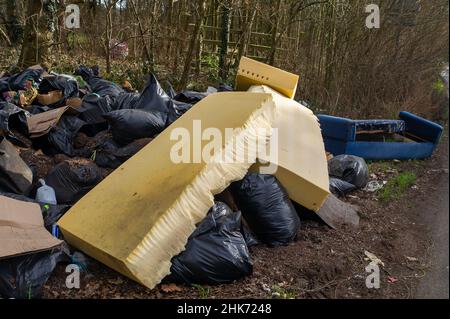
(22,229)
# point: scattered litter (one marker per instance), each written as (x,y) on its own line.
(373,258)
(412,258)
(374,186)
(392,280)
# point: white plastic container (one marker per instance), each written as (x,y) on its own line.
(45,194)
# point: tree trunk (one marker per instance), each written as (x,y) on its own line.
(274,40)
(38,33)
(13,26)
(195,34)
(224,38)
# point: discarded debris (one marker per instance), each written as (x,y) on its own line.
(374,186)
(373,258)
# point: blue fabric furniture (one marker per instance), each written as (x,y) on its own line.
(341,137)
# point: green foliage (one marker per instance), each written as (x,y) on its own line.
(203,292)
(395,188)
(283,293)
(210,63)
(439,86)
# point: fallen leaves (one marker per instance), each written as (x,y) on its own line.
(171,288)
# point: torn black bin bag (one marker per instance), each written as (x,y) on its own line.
(72,179)
(51,213)
(154,99)
(64,83)
(130,125)
(4,86)
(23,277)
(12,117)
(266,208)
(19,81)
(96,84)
(216,253)
(190,97)
(36,109)
(111,155)
(340,187)
(93,107)
(61,136)
(170,90)
(349,168)
(125,101)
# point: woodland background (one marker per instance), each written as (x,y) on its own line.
(344,67)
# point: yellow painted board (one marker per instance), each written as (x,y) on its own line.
(300,155)
(252,72)
(141,215)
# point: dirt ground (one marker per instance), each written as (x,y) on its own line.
(322,263)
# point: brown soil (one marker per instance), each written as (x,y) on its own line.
(322,263)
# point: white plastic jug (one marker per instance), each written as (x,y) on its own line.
(45,194)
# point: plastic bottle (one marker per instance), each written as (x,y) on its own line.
(45,194)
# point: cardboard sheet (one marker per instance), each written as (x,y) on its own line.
(22,229)
(40,124)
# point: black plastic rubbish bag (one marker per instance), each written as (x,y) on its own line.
(266,208)
(349,168)
(68,85)
(130,125)
(4,86)
(23,277)
(190,97)
(19,81)
(36,109)
(170,90)
(216,253)
(93,107)
(224,88)
(72,179)
(111,155)
(340,187)
(61,136)
(181,107)
(125,101)
(12,117)
(154,99)
(96,84)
